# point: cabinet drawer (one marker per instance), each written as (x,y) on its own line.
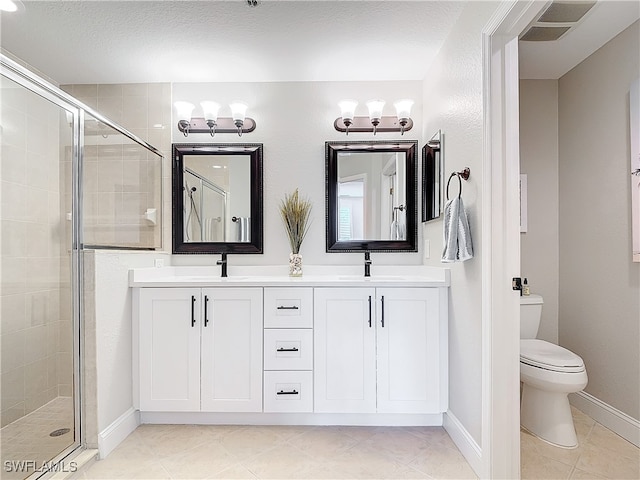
(288,349)
(288,391)
(288,307)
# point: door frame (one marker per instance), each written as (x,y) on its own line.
(501,235)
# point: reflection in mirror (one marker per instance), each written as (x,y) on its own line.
(371,196)
(432,177)
(217,202)
(217,195)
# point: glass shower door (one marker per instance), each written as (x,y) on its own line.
(38,325)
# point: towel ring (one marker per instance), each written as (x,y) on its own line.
(463,175)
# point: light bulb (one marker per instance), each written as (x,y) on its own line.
(403,108)
(210,110)
(238,112)
(183,112)
(347,110)
(403,111)
(375,113)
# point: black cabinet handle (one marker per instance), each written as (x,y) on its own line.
(282,307)
(382,319)
(369,311)
(294,349)
(206,308)
(281,392)
(193,311)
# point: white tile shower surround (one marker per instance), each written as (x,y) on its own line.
(28,438)
(279,452)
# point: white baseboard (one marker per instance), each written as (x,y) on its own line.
(615,420)
(464,441)
(114,434)
(221,418)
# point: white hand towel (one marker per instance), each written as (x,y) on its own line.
(457,234)
(244,229)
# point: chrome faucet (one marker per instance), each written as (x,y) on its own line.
(367,264)
(223,262)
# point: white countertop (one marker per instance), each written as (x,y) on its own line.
(276,276)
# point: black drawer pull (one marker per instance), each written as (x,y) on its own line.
(282,307)
(382,321)
(294,349)
(206,307)
(282,392)
(193,310)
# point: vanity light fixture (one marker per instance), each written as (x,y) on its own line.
(184,110)
(375,122)
(348,110)
(11,6)
(210,110)
(238,112)
(403,112)
(375,113)
(210,123)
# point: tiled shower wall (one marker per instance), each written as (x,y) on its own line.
(121,179)
(36,327)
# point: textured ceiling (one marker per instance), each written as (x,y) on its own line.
(185,41)
(111,41)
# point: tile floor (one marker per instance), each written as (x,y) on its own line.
(257,452)
(28,440)
(273,452)
(600,454)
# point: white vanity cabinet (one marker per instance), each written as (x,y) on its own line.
(199,349)
(379,350)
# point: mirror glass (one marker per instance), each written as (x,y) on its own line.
(217,198)
(371,196)
(432,177)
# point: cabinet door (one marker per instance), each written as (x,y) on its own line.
(344,350)
(169,349)
(232,350)
(408,350)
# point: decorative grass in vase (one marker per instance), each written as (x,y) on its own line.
(295,213)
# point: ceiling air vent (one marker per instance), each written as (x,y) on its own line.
(544,34)
(556,20)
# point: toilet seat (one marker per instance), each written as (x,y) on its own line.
(548,356)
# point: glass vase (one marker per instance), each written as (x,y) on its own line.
(295,265)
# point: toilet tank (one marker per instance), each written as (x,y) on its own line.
(530,314)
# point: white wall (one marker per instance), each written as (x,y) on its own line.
(539,246)
(599,284)
(453,103)
(294,120)
(113,321)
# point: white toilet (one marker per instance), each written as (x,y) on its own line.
(549,373)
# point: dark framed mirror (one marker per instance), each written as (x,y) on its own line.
(371,196)
(217,198)
(432,177)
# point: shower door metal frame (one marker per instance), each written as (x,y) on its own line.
(36,84)
(217,189)
(25,79)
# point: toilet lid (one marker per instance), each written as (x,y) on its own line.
(541,354)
